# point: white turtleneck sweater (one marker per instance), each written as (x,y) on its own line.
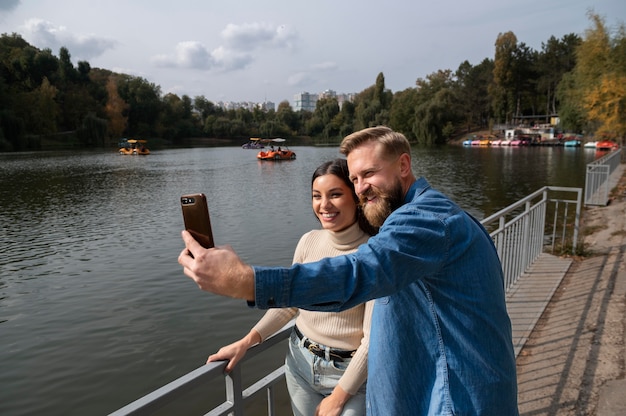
(347,330)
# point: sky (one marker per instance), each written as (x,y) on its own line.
(249,50)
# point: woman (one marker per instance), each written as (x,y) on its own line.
(326,366)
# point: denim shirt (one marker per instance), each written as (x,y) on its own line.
(440,341)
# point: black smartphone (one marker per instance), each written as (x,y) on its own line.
(197,220)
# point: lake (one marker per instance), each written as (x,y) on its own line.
(95,311)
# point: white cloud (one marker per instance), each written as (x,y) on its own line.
(242,44)
(44,34)
(326,66)
(189,54)
(253,36)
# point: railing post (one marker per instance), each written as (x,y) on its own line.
(577,219)
(234,390)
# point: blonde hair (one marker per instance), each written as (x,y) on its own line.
(393,143)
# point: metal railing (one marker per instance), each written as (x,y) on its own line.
(520,234)
(597,178)
(236,396)
(521,231)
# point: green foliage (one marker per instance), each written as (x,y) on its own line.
(580,79)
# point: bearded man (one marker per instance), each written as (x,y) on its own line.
(440,341)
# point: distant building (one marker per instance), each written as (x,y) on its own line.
(305,101)
(247,105)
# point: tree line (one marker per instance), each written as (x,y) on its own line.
(582,79)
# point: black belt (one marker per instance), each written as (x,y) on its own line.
(317,349)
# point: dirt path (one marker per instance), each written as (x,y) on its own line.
(577,346)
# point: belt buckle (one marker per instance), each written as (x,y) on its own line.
(315,349)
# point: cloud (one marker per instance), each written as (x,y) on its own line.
(241,46)
(300,79)
(45,34)
(188,54)
(8,5)
(253,36)
(326,66)
(304,79)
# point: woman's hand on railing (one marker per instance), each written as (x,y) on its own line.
(235,352)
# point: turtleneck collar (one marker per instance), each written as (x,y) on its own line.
(345,239)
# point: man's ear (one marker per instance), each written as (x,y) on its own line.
(405,165)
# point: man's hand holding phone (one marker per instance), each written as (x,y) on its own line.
(217,270)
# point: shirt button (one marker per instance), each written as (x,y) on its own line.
(271,302)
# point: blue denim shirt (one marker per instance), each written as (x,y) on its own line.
(441,340)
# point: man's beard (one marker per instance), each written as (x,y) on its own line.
(387,201)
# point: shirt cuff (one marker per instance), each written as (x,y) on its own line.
(271,287)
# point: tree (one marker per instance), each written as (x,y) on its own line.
(116,109)
(286,117)
(402,114)
(557,57)
(502,90)
(593,94)
(472,85)
(372,105)
(144,105)
(436,103)
(600,67)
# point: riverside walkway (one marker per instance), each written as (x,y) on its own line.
(568,318)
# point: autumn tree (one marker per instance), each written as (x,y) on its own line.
(116,109)
(601,66)
(595,91)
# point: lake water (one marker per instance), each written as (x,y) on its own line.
(95,311)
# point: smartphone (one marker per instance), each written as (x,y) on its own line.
(197,220)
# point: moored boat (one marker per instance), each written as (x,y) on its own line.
(572,143)
(606,145)
(590,145)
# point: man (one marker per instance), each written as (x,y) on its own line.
(440,341)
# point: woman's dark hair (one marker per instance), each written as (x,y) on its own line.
(339,168)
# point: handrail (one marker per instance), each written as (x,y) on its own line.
(519,232)
(236,396)
(597,177)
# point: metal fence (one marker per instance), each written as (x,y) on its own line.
(520,232)
(237,397)
(597,178)
(546,220)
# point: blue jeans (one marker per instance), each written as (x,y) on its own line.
(311,378)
